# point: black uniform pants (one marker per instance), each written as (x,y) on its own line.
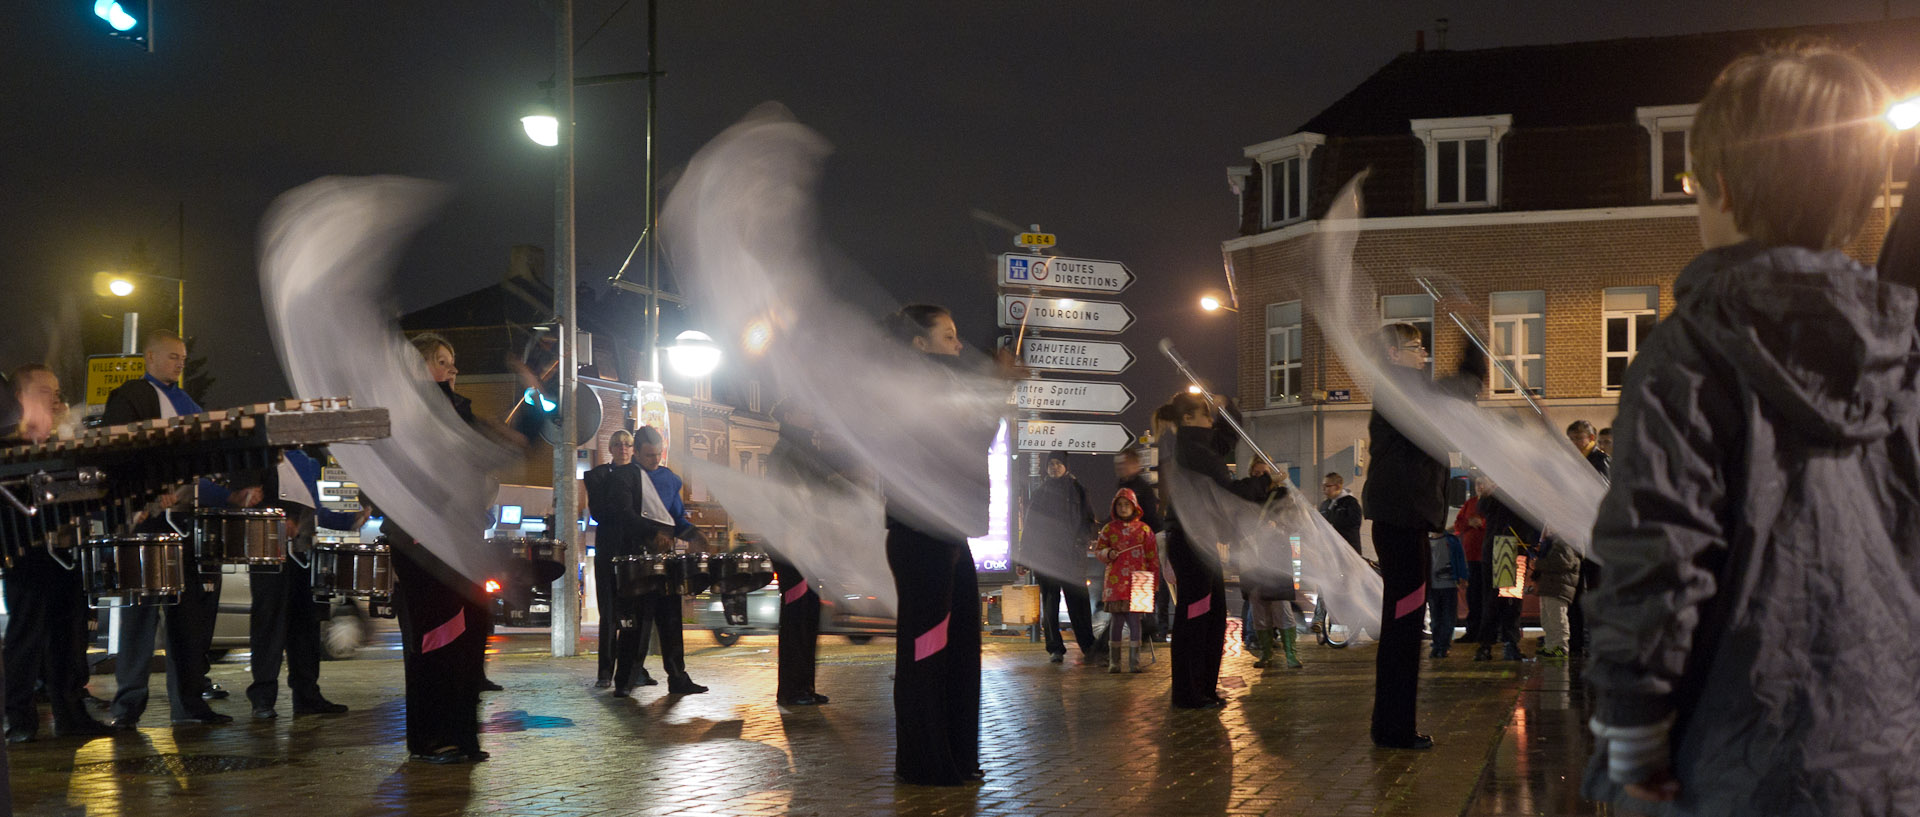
(1576,612)
(189,628)
(1199,622)
(1478,576)
(443,644)
(799,632)
(285,621)
(1405,563)
(606,595)
(652,611)
(1079,613)
(44,632)
(936,686)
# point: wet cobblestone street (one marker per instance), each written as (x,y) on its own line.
(1064,739)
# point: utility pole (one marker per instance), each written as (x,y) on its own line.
(653,215)
(565,613)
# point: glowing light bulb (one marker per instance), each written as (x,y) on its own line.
(543,129)
(1210,303)
(1905,114)
(121,287)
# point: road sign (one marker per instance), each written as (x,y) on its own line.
(106,372)
(1066,355)
(1055,272)
(1034,240)
(1070,314)
(1090,438)
(1082,396)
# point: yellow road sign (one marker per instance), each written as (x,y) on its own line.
(105,372)
(1034,240)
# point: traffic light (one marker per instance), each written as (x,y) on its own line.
(128,20)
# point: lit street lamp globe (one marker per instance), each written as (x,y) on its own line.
(542,128)
(120,287)
(1209,303)
(693,354)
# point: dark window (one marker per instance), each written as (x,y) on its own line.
(1476,179)
(1673,160)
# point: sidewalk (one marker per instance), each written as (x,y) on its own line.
(1056,739)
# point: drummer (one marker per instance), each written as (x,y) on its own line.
(285,619)
(157,395)
(666,520)
(612,490)
(46,607)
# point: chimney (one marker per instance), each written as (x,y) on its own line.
(1419,41)
(1440,34)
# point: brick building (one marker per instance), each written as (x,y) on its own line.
(1537,186)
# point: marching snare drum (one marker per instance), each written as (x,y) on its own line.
(353,569)
(741,572)
(687,574)
(639,574)
(137,568)
(239,536)
(544,558)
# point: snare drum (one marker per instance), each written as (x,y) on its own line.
(542,557)
(137,568)
(239,536)
(353,569)
(687,573)
(639,574)
(741,572)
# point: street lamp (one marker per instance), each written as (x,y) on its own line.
(120,285)
(541,125)
(1212,303)
(693,354)
(1905,114)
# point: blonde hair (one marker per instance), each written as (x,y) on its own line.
(426,342)
(1798,137)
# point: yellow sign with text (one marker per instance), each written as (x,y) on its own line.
(1034,240)
(107,372)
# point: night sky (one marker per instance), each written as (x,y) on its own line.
(1110,124)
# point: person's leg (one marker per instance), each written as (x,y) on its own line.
(605,598)
(1050,617)
(25,590)
(1213,646)
(1553,619)
(303,643)
(1080,613)
(442,694)
(963,641)
(189,627)
(1576,612)
(926,668)
(1404,556)
(795,653)
(133,662)
(1442,608)
(1162,608)
(67,654)
(1476,600)
(267,634)
(673,650)
(1193,599)
(1260,624)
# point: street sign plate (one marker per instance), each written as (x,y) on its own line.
(1069,314)
(1055,272)
(1081,396)
(106,372)
(1034,240)
(1059,435)
(1068,355)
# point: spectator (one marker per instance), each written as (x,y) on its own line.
(1509,537)
(1060,523)
(1471,527)
(1341,509)
(1443,590)
(1761,516)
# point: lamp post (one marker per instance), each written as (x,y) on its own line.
(1213,303)
(120,285)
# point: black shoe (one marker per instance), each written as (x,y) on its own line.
(1485,653)
(265,713)
(324,707)
(21,734)
(1057,657)
(478,756)
(487,685)
(443,758)
(124,724)
(88,728)
(1418,741)
(819,698)
(683,685)
(804,700)
(213,692)
(623,691)
(603,683)
(209,717)
(647,680)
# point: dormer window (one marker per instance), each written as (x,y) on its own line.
(1284,171)
(1668,126)
(1463,159)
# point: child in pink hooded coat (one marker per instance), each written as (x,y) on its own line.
(1127,547)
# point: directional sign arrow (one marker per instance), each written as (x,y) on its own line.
(1073,315)
(1056,272)
(1082,396)
(1068,355)
(1058,435)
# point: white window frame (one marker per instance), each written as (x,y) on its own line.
(1663,119)
(1426,321)
(1633,339)
(1517,357)
(1436,132)
(1293,368)
(1272,156)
